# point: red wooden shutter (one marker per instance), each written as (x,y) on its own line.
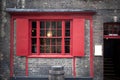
(22,37)
(78,37)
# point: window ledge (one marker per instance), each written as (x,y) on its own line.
(50,56)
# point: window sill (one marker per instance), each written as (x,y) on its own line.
(50,56)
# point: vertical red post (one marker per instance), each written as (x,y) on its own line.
(38,37)
(91,49)
(63,36)
(74,66)
(26,66)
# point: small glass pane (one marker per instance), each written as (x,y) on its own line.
(42,49)
(47,41)
(53,33)
(59,24)
(59,41)
(49,33)
(33,32)
(53,49)
(33,41)
(33,24)
(42,41)
(67,32)
(47,49)
(42,32)
(67,41)
(67,49)
(53,41)
(67,24)
(58,49)
(53,25)
(59,32)
(42,24)
(47,25)
(33,49)
(106,32)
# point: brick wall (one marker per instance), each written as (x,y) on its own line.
(105,12)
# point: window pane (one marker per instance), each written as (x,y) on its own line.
(67,49)
(47,25)
(42,24)
(53,41)
(59,41)
(67,32)
(53,25)
(42,32)
(47,41)
(34,24)
(53,49)
(33,49)
(33,32)
(59,24)
(47,49)
(53,33)
(33,41)
(42,49)
(67,24)
(59,32)
(58,49)
(67,41)
(42,41)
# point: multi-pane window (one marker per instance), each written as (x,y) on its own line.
(112,29)
(50,36)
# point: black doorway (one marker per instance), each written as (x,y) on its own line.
(111,59)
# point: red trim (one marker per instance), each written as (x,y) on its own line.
(38,41)
(50,56)
(74,66)
(26,66)
(71,36)
(11,46)
(52,16)
(53,13)
(63,32)
(111,37)
(91,49)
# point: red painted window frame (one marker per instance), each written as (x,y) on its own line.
(62,37)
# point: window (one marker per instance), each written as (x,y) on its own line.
(112,28)
(50,36)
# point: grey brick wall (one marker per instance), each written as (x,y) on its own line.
(71,4)
(105,12)
(4,42)
(40,66)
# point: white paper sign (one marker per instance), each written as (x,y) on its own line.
(98,50)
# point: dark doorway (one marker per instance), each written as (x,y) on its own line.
(111,59)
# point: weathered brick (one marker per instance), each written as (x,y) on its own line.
(40,66)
